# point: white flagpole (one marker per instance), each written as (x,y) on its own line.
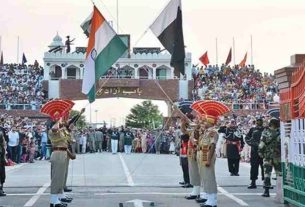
(251,51)
(216,51)
(117,15)
(18,50)
(234,50)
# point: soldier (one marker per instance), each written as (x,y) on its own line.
(235,144)
(193,165)
(183,153)
(99,140)
(91,139)
(252,139)
(68,127)
(2,163)
(270,150)
(58,160)
(206,159)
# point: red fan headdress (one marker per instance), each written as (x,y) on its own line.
(210,109)
(57,109)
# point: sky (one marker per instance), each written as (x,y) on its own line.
(277,27)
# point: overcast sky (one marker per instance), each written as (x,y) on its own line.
(277,26)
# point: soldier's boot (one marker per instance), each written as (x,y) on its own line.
(1,190)
(252,185)
(266,193)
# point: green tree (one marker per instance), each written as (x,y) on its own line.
(144,115)
(81,123)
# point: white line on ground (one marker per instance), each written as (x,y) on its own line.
(230,195)
(142,193)
(126,171)
(40,191)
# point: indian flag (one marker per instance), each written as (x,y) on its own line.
(104,48)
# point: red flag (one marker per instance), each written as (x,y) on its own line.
(1,59)
(243,62)
(229,58)
(205,59)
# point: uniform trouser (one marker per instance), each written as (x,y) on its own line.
(92,146)
(67,171)
(98,146)
(233,165)
(121,144)
(255,163)
(185,169)
(268,164)
(58,171)
(193,172)
(208,178)
(127,149)
(2,173)
(114,145)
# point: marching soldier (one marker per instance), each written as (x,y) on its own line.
(270,150)
(193,165)
(235,144)
(58,160)
(206,158)
(252,139)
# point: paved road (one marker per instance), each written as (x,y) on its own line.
(106,180)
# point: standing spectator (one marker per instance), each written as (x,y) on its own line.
(20,145)
(235,144)
(99,140)
(83,142)
(13,142)
(115,135)
(2,163)
(44,141)
(128,137)
(91,140)
(143,136)
(121,140)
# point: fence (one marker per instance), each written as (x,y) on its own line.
(20,106)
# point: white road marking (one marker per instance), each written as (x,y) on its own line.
(231,196)
(143,193)
(37,195)
(126,171)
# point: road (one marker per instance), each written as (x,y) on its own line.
(107,180)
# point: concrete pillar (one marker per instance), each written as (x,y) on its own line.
(136,73)
(154,73)
(63,73)
(169,108)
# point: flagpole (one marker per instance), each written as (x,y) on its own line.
(251,51)
(234,50)
(117,15)
(216,51)
(18,50)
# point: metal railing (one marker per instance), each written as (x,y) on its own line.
(33,107)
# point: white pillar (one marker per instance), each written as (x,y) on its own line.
(136,73)
(154,73)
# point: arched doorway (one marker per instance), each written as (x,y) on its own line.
(145,72)
(163,72)
(126,72)
(55,72)
(73,72)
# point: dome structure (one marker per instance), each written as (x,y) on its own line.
(57,41)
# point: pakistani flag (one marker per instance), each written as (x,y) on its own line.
(104,48)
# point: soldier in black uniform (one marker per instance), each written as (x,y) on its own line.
(252,139)
(2,163)
(235,144)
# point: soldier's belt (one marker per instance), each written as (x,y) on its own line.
(59,148)
(231,142)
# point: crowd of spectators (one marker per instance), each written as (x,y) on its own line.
(26,139)
(141,140)
(21,86)
(245,87)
